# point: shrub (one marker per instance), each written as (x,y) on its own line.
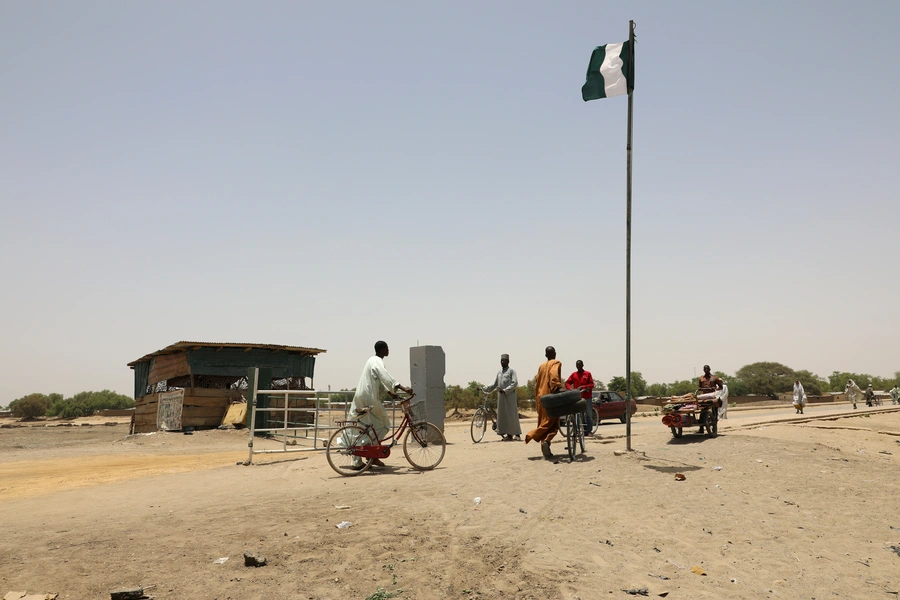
(29,407)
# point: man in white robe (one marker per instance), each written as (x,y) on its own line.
(799,396)
(366,406)
(854,394)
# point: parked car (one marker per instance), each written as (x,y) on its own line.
(610,405)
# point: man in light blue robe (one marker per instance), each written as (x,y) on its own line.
(505,383)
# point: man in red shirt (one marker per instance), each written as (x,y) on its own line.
(582,380)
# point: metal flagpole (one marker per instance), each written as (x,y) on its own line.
(628,251)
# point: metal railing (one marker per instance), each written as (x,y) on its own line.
(299,422)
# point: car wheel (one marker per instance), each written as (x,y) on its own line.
(623,418)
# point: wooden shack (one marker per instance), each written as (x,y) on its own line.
(192,384)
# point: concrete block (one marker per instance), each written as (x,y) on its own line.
(427,367)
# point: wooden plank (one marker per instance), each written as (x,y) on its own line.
(167,367)
(193,412)
(216,393)
(206,402)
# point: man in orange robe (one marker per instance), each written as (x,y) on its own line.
(547,381)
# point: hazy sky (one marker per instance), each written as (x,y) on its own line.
(329,174)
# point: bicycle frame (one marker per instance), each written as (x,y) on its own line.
(380,449)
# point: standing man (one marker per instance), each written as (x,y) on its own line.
(582,380)
(799,396)
(366,406)
(506,383)
(708,384)
(547,381)
(895,394)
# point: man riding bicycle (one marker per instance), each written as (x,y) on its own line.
(366,406)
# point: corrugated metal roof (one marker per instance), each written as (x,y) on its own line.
(181,346)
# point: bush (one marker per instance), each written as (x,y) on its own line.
(29,407)
(85,404)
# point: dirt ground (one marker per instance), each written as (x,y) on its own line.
(782,511)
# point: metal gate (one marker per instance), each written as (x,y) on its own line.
(302,419)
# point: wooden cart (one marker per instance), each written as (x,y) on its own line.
(684,412)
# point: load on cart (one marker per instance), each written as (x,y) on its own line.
(702,408)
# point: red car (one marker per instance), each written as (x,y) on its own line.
(610,405)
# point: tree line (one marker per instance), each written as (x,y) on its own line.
(759,379)
(82,404)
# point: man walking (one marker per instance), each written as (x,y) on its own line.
(870,396)
(547,381)
(799,397)
(895,394)
(853,392)
(505,383)
(366,406)
(582,380)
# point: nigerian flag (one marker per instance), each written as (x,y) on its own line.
(610,72)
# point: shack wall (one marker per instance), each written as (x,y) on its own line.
(202,409)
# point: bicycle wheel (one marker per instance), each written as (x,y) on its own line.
(478,426)
(579,429)
(596,422)
(339,450)
(424,445)
(570,435)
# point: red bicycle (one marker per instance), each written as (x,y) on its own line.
(353,448)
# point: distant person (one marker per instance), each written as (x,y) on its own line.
(799,397)
(582,380)
(710,384)
(547,381)
(366,406)
(895,395)
(853,392)
(870,396)
(505,383)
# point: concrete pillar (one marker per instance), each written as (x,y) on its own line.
(427,366)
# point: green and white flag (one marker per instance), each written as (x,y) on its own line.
(610,72)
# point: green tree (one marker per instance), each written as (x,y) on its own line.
(766,378)
(837,381)
(657,389)
(638,384)
(680,388)
(30,406)
(84,404)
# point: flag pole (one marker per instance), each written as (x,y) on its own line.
(628,250)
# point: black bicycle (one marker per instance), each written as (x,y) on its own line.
(479,420)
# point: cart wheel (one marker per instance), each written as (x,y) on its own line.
(676,431)
(712,428)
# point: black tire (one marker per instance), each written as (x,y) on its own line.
(478,426)
(560,399)
(339,450)
(676,431)
(424,446)
(624,417)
